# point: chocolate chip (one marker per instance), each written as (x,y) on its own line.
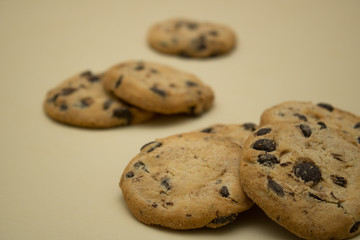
(267,145)
(86,102)
(306,130)
(139,164)
(188,215)
(53,98)
(285,164)
(200,43)
(158,91)
(263,131)
(192,110)
(322,125)
(357,125)
(146,144)
(249,126)
(169,203)
(191,83)
(358,139)
(107,104)
(355,227)
(207,130)
(154,205)
(300,116)
(277,188)
(122,112)
(224,191)
(93,79)
(339,180)
(158,144)
(86,74)
(165,183)
(224,219)
(308,172)
(139,67)
(191,25)
(63,107)
(213,32)
(130,174)
(326,106)
(337,157)
(118,82)
(184,54)
(267,160)
(67,91)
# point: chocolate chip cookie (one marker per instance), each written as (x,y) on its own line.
(306,177)
(237,133)
(322,113)
(185,181)
(158,88)
(82,101)
(191,38)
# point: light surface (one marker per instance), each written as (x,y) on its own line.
(60,182)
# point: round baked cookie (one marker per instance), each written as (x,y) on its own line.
(297,111)
(191,38)
(185,181)
(82,101)
(158,88)
(237,133)
(306,177)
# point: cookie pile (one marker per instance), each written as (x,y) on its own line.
(128,93)
(300,166)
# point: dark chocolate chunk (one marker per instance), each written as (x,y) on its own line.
(207,130)
(326,106)
(355,227)
(86,74)
(249,126)
(146,144)
(192,110)
(169,203)
(154,205)
(306,130)
(93,79)
(191,83)
(285,164)
(358,139)
(184,54)
(68,91)
(300,116)
(86,102)
(122,112)
(277,188)
(158,91)
(158,144)
(63,107)
(316,197)
(267,145)
(118,82)
(224,191)
(188,215)
(224,219)
(308,172)
(337,157)
(357,125)
(165,183)
(339,180)
(213,32)
(200,43)
(267,160)
(191,25)
(322,125)
(107,104)
(263,131)
(139,67)
(130,174)
(139,164)
(53,98)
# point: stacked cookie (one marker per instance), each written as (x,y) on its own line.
(127,93)
(300,166)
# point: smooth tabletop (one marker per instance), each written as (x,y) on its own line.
(61,182)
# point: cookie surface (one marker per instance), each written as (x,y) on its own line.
(185,181)
(237,133)
(82,101)
(158,88)
(306,177)
(191,38)
(296,111)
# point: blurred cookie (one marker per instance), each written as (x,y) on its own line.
(306,177)
(191,38)
(237,133)
(185,181)
(158,88)
(323,113)
(82,101)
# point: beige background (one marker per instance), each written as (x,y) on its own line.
(60,182)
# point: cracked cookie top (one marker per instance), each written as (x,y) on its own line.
(306,177)
(185,181)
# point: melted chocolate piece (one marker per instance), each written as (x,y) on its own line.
(191,83)
(308,172)
(53,98)
(130,174)
(165,183)
(316,197)
(122,112)
(355,227)
(306,130)
(249,126)
(326,106)
(86,102)
(86,74)
(322,125)
(267,160)
(200,43)
(118,82)
(300,116)
(357,125)
(158,91)
(63,107)
(263,131)
(207,130)
(342,182)
(158,144)
(277,188)
(146,144)
(224,219)
(267,145)
(107,104)
(224,191)
(67,91)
